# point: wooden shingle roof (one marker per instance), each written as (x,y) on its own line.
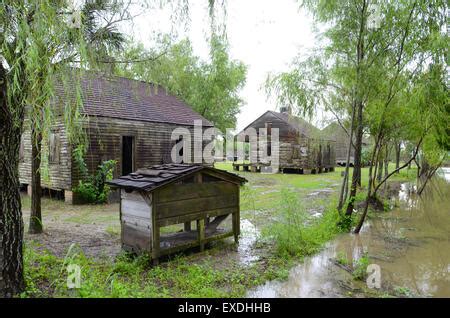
(295,123)
(151,178)
(119,97)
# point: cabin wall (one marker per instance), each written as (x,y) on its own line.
(296,150)
(54,175)
(152,143)
(136,221)
(337,133)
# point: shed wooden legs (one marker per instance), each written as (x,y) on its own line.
(187,226)
(236,226)
(201,233)
(155,245)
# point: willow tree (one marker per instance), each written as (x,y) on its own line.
(101,39)
(31,34)
(336,76)
(369,50)
(35,40)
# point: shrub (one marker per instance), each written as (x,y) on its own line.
(95,189)
(297,234)
(360,267)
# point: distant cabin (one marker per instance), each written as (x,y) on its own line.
(334,131)
(125,120)
(302,148)
(177,194)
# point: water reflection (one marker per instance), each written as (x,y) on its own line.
(250,235)
(411,245)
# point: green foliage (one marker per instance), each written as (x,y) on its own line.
(341,258)
(128,276)
(360,267)
(296,233)
(95,189)
(210,87)
(345,222)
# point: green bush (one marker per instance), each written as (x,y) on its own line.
(95,189)
(360,267)
(296,233)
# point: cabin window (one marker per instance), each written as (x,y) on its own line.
(53,148)
(21,150)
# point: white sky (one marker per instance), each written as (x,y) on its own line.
(264,34)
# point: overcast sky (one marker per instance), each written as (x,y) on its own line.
(264,34)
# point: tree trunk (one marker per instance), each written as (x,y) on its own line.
(36,190)
(356,177)
(380,170)
(344,188)
(11,224)
(386,170)
(369,188)
(397,155)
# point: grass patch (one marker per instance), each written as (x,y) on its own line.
(296,233)
(46,276)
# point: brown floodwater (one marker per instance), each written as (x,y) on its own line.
(410,244)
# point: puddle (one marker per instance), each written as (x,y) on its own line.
(445,173)
(406,194)
(411,245)
(321,191)
(270,191)
(248,238)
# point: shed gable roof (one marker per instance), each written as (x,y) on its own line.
(119,97)
(156,176)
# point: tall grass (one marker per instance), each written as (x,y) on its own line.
(298,234)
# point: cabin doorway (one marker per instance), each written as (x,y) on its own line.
(127,154)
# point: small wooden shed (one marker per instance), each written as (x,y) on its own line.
(169,194)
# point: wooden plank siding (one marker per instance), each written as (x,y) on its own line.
(54,175)
(183,202)
(136,222)
(152,143)
(297,150)
(152,146)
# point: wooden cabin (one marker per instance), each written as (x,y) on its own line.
(169,194)
(302,148)
(334,131)
(124,120)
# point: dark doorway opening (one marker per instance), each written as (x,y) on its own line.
(127,154)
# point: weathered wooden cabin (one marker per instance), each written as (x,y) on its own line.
(170,194)
(302,148)
(334,131)
(125,120)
